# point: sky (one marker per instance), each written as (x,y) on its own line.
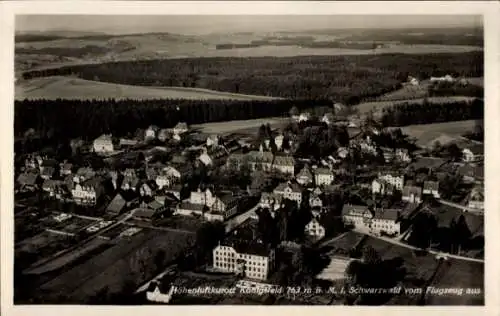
(202,24)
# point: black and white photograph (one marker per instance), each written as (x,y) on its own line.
(249,160)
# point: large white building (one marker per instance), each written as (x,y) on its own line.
(375,222)
(284,164)
(249,259)
(323,176)
(103,144)
(289,190)
(209,205)
(88,192)
(397,181)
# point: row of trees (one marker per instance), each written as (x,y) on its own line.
(91,118)
(347,79)
(427,113)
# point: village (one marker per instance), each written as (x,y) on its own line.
(276,193)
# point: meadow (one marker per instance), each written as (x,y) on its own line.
(59,87)
(426,134)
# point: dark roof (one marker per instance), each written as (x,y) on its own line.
(27,178)
(144,212)
(117,204)
(284,160)
(52,184)
(294,186)
(431,185)
(247,247)
(324,171)
(388,214)
(305,172)
(347,209)
(191,206)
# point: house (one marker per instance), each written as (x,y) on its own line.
(250,259)
(472,173)
(386,221)
(130,180)
(205,159)
(55,188)
(212,140)
(381,187)
(84,174)
(358,216)
(151,132)
(413,81)
(315,201)
(278,141)
(208,205)
(315,229)
(304,176)
(159,292)
(473,153)
(88,192)
(260,160)
(163,134)
(124,142)
(388,154)
(103,144)
(289,190)
(476,198)
(284,164)
(323,176)
(446,78)
(342,152)
(180,128)
(394,179)
(65,168)
(270,201)
(28,181)
(147,188)
(116,205)
(304,117)
(403,155)
(412,194)
(431,188)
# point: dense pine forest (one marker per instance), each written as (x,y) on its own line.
(89,119)
(425,113)
(346,79)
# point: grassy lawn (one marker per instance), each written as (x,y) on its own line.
(427,133)
(459,274)
(240,126)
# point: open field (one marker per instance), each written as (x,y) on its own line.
(446,213)
(75,88)
(405,93)
(243,126)
(427,133)
(109,267)
(462,275)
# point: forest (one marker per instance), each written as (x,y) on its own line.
(91,118)
(346,79)
(426,113)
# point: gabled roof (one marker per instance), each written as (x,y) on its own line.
(181,125)
(52,184)
(305,173)
(104,137)
(144,212)
(292,185)
(155,205)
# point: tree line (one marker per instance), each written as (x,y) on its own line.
(91,118)
(426,113)
(346,79)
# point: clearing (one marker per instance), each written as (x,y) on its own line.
(426,134)
(240,126)
(59,87)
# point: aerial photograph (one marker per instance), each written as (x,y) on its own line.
(249,160)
